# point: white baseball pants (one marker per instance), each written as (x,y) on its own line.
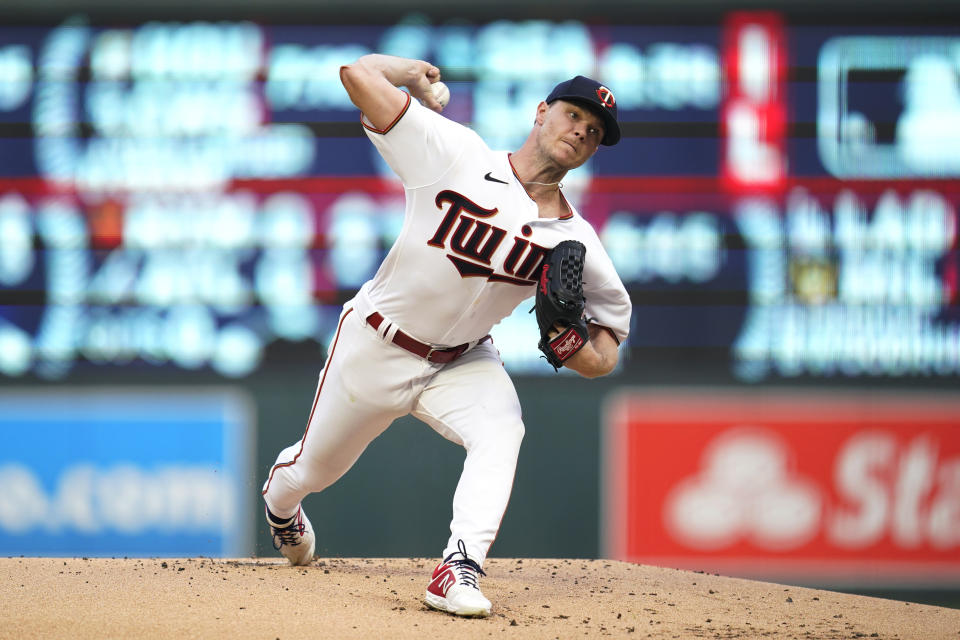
(367,383)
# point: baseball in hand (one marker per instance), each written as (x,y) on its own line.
(441,93)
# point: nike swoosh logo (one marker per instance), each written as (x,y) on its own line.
(492,179)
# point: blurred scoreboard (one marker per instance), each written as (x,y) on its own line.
(193,195)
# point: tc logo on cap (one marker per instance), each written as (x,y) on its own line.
(606,97)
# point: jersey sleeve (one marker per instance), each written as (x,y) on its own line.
(607,301)
(420,145)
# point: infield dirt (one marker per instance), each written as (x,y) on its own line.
(383,599)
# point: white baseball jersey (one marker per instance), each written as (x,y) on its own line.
(472,238)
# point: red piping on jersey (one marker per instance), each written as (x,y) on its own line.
(316,399)
(395,120)
(569,208)
(610,331)
(517,176)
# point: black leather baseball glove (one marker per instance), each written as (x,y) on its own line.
(560,302)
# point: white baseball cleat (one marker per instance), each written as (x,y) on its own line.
(454,587)
(293,538)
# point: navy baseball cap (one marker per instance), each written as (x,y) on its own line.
(595,96)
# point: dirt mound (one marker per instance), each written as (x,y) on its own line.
(382,598)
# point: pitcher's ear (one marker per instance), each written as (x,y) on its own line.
(541,112)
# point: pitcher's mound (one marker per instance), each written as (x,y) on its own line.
(383,599)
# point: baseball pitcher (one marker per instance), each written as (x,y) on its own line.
(483,231)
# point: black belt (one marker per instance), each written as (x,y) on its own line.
(425,351)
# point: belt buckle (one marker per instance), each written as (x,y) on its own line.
(430,353)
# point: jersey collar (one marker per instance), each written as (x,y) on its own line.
(568,216)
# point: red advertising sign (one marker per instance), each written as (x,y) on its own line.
(847,488)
